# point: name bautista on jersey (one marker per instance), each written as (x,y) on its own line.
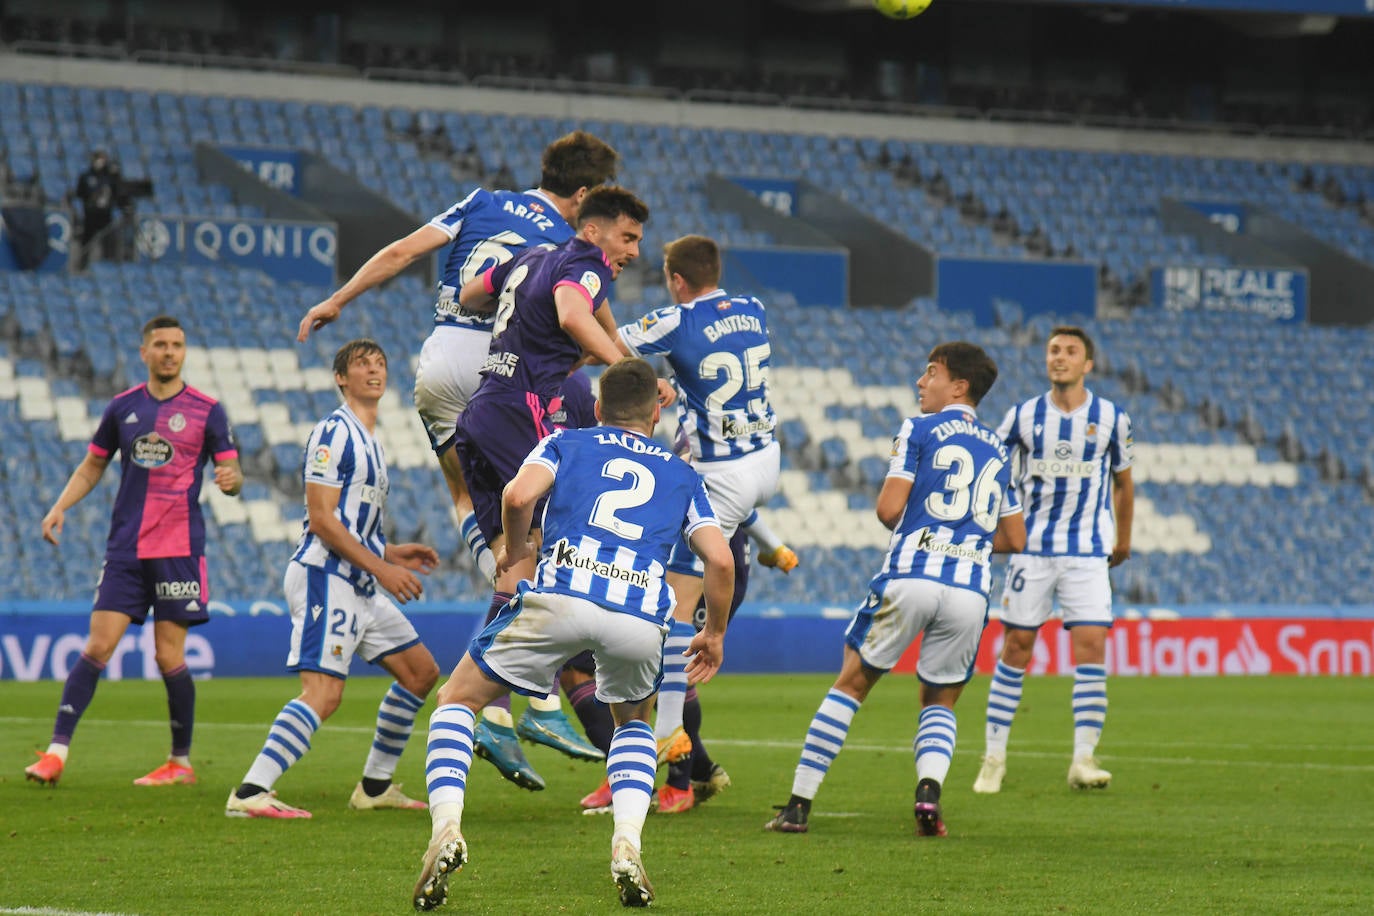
(567,556)
(731,324)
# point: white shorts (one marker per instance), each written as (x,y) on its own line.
(736,488)
(949,619)
(446,377)
(1082,584)
(331,622)
(537,632)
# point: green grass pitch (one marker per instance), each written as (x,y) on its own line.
(1231,795)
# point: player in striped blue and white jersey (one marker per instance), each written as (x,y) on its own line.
(617,503)
(949,502)
(718,347)
(336,607)
(1074,451)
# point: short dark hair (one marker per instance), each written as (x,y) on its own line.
(628,392)
(1069,330)
(968,362)
(695,258)
(610,202)
(363,346)
(576,160)
(160,322)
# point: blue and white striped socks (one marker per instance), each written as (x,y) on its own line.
(448,757)
(630,767)
(824,739)
(477,546)
(287,742)
(1089,707)
(395,722)
(672,693)
(1003,698)
(934,745)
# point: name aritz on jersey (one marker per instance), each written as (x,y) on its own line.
(970,428)
(566,555)
(730,324)
(523,212)
(927,543)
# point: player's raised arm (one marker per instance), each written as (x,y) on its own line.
(379,268)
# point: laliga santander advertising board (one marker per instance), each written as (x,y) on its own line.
(1200,647)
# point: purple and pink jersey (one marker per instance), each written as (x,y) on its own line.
(164,447)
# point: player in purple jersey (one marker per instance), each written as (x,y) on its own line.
(617,503)
(550,308)
(949,503)
(485,228)
(1075,450)
(165,432)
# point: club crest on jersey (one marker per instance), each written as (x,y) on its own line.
(177,423)
(591,282)
(151,451)
(1090,430)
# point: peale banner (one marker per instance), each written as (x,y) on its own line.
(1276,293)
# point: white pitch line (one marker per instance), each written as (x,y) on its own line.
(49,911)
(858,747)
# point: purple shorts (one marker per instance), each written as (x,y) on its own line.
(175,588)
(494,436)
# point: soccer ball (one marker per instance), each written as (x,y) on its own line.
(901,9)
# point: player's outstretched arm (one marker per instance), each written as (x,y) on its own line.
(1123,506)
(379,268)
(586,327)
(706,652)
(82,482)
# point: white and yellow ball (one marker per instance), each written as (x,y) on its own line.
(901,9)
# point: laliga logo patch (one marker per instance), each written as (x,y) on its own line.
(151,451)
(319,461)
(591,282)
(1063,450)
(896,443)
(177,423)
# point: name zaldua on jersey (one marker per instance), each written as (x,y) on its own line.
(619,503)
(961,487)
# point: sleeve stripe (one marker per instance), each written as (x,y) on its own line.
(98,451)
(226,455)
(577,286)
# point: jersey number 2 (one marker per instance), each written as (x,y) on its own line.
(639,492)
